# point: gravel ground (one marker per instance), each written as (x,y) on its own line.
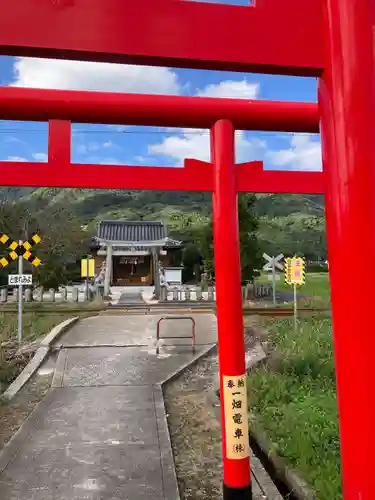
(13,413)
(193,418)
(195,431)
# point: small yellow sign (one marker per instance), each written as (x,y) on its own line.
(90,268)
(236,417)
(295,271)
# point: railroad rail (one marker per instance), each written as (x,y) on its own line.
(253,311)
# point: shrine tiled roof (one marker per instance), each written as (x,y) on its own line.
(137,231)
(121,230)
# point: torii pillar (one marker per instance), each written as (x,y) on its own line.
(347,103)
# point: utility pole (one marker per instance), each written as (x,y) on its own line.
(273,282)
(155,267)
(20,296)
(87,278)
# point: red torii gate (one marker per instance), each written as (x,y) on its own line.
(328,39)
(61,108)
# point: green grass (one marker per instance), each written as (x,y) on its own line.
(35,324)
(39,307)
(316,287)
(294,400)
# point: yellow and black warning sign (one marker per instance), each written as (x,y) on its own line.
(295,271)
(20,250)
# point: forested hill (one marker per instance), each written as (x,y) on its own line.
(288,223)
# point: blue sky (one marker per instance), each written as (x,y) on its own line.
(20,141)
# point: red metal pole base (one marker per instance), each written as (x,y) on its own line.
(231,345)
(230,493)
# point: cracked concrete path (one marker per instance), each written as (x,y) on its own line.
(101,432)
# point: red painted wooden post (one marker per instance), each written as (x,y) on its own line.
(236,451)
(347,101)
(59,143)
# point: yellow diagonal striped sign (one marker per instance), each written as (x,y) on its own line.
(20,250)
(295,271)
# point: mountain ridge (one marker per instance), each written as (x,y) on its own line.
(286,221)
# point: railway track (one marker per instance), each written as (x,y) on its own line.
(159,309)
(275,311)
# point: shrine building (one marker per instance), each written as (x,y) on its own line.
(132,253)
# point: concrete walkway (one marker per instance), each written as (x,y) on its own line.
(101,433)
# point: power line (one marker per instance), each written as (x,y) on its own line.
(316,205)
(151,132)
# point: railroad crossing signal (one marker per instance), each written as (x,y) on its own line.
(273,262)
(272,265)
(295,271)
(20,250)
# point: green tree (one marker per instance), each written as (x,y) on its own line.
(295,233)
(191,259)
(63,240)
(249,247)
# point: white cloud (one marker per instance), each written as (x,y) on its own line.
(231,89)
(40,156)
(87,148)
(79,75)
(16,158)
(196,144)
(10,139)
(140,159)
(62,74)
(110,161)
(95,147)
(103,160)
(304,154)
(120,128)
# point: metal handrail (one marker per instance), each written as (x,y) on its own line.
(192,336)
